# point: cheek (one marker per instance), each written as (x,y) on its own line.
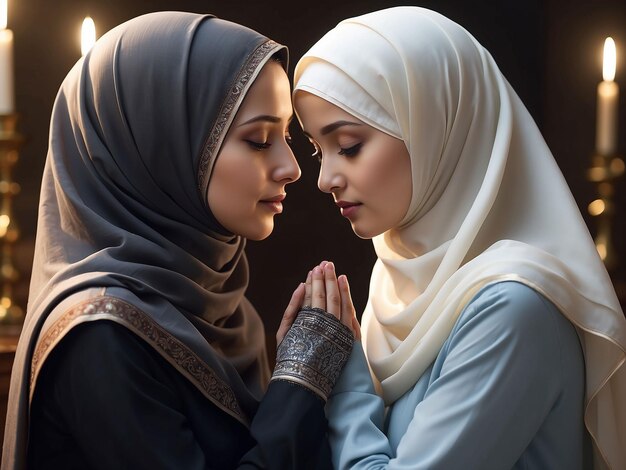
(400,174)
(233,188)
(383,174)
(389,179)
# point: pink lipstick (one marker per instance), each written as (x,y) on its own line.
(348,209)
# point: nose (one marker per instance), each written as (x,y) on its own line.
(287,170)
(330,178)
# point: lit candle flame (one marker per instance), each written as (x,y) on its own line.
(4,14)
(610,59)
(88,35)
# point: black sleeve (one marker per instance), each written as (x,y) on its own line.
(121,405)
(290,430)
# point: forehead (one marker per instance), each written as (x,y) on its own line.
(269,94)
(315,112)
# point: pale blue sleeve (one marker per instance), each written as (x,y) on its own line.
(496,381)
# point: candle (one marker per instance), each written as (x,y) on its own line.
(7,103)
(87,35)
(608,96)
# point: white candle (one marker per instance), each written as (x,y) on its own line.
(608,97)
(87,35)
(7,100)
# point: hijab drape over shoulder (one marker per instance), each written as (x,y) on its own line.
(489,203)
(135,131)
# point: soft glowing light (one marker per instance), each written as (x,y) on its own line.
(610,60)
(7,92)
(87,36)
(601,247)
(4,14)
(617,166)
(608,103)
(597,207)
(5,221)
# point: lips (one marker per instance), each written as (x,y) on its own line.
(275,203)
(348,209)
(279,198)
(344,204)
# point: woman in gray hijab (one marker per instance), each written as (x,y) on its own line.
(168,148)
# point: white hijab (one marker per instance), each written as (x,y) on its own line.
(489,204)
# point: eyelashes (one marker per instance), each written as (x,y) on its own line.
(351,151)
(265,145)
(347,151)
(258,145)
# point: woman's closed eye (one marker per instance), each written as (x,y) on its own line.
(345,151)
(258,145)
(351,151)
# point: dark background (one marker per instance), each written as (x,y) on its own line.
(550,51)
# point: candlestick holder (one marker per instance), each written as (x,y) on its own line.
(603,172)
(11,315)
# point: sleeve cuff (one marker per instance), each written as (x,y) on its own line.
(314,351)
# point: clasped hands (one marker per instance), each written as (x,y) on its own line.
(322,289)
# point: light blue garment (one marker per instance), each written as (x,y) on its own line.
(506,391)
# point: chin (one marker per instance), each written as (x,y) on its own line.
(363,233)
(258,238)
(261,232)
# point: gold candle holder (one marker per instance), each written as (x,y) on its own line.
(603,172)
(11,315)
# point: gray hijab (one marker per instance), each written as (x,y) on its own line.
(135,130)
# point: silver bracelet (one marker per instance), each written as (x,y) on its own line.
(314,351)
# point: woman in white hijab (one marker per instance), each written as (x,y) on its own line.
(492,328)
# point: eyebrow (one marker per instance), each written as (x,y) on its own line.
(336,125)
(266,118)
